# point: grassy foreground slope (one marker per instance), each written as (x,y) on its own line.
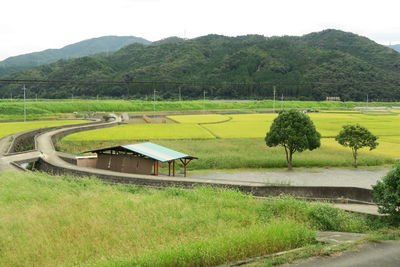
(61,221)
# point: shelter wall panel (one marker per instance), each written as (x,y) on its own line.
(103,161)
(116,162)
(137,165)
(91,162)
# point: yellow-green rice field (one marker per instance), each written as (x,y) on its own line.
(245,126)
(145,132)
(7,128)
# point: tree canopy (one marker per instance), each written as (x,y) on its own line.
(356,137)
(295,132)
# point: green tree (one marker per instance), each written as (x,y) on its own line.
(386,193)
(295,132)
(356,137)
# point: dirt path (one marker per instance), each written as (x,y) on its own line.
(361,177)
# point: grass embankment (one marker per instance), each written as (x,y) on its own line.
(7,128)
(61,221)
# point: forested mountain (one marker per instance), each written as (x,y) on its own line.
(83,48)
(395,47)
(327,63)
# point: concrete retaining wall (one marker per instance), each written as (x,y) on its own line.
(316,192)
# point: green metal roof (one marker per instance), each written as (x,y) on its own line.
(151,150)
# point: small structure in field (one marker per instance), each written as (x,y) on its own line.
(141,158)
(332,98)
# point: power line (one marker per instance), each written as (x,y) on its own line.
(110,82)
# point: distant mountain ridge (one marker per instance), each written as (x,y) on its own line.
(310,67)
(88,47)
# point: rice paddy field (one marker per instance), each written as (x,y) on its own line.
(237,140)
(62,221)
(7,128)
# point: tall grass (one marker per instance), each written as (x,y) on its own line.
(61,221)
(320,216)
(48,221)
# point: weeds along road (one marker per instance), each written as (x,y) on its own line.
(372,254)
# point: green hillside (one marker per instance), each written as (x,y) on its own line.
(395,47)
(311,67)
(84,48)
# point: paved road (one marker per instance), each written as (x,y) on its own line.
(386,254)
(360,177)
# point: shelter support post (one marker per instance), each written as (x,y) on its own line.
(156,167)
(173,168)
(185,162)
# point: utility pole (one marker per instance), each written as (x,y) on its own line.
(154,103)
(24,88)
(367,101)
(204,101)
(274,99)
(282,103)
(180,95)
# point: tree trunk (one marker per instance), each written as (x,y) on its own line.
(355,154)
(290,164)
(287,154)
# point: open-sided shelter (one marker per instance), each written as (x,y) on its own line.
(141,158)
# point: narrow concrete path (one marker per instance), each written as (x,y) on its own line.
(361,177)
(359,208)
(372,254)
(338,237)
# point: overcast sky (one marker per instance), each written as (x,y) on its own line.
(34,25)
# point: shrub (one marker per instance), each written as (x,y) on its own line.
(386,193)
